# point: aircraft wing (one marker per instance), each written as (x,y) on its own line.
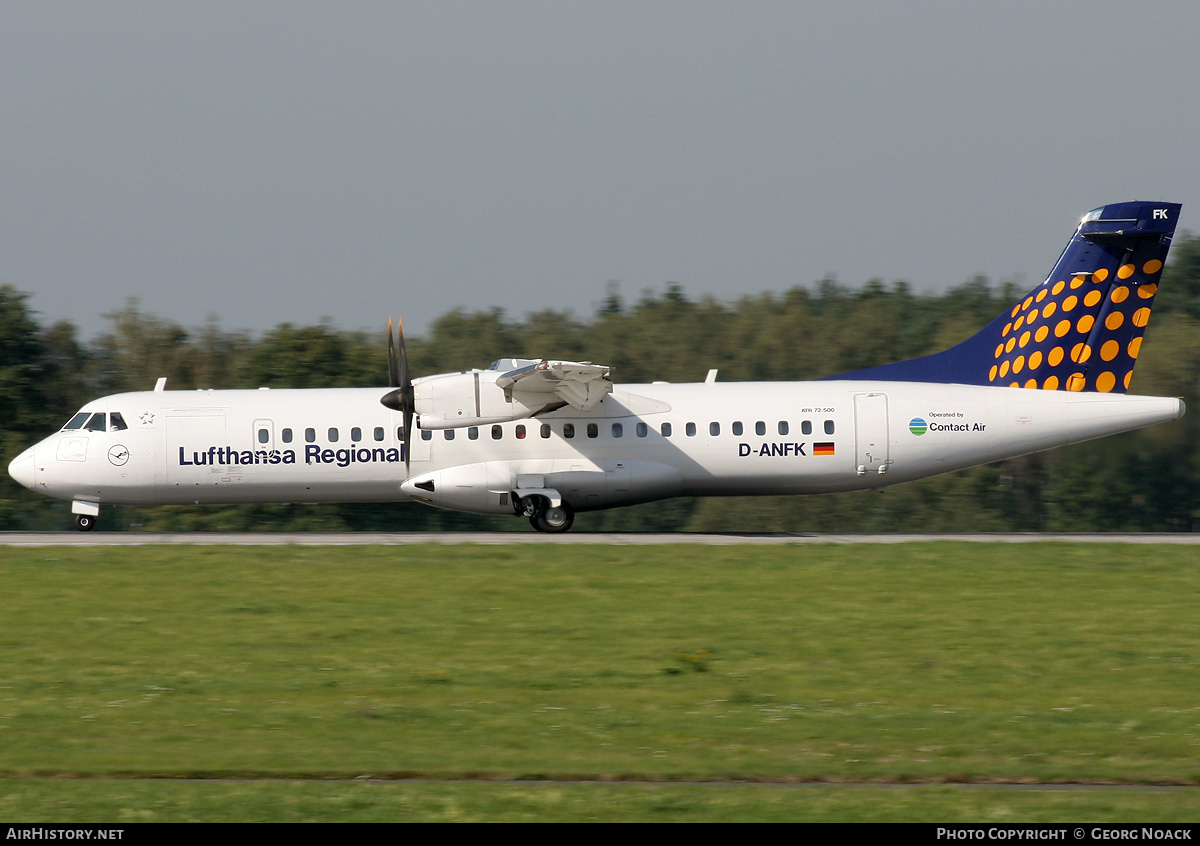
(580,384)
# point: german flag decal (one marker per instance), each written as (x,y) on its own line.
(823,449)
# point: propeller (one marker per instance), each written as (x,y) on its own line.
(401,397)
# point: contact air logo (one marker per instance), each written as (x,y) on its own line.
(918,426)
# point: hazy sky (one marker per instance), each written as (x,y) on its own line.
(263,162)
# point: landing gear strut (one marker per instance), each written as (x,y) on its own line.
(555,519)
(546,517)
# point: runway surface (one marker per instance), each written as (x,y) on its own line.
(628,539)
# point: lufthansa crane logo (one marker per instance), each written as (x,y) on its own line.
(118,455)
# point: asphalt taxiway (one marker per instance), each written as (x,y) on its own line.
(626,538)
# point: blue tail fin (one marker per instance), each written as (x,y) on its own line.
(1081,329)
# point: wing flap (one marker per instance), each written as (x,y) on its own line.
(580,384)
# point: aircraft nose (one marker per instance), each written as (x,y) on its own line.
(22,467)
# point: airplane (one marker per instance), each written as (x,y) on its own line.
(545,439)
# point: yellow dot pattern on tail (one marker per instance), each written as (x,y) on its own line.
(1092,320)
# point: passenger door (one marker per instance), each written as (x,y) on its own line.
(870,433)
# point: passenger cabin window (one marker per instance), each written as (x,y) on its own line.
(806,427)
(310,436)
(783,427)
(666,430)
(593,431)
(378,433)
(286,434)
(545,430)
(828,427)
(760,428)
(568,430)
(116,423)
(473,433)
(497,432)
(737,427)
(448,434)
(714,429)
(427,434)
(356,434)
(333,436)
(97,423)
(263,436)
(642,429)
(690,430)
(617,430)
(520,432)
(76,421)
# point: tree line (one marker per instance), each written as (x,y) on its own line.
(1140,481)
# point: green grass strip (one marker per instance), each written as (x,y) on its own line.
(938,662)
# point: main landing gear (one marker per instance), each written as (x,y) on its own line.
(85,522)
(546,517)
(556,518)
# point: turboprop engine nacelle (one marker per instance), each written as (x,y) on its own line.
(473,398)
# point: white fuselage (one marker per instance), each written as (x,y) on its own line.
(641,443)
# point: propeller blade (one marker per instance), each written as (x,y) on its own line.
(403,379)
(393,371)
(408,419)
(407,399)
(401,398)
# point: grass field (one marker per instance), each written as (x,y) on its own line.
(304,673)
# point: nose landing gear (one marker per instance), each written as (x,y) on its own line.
(85,512)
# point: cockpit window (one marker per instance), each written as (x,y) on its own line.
(76,421)
(97,423)
(116,422)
